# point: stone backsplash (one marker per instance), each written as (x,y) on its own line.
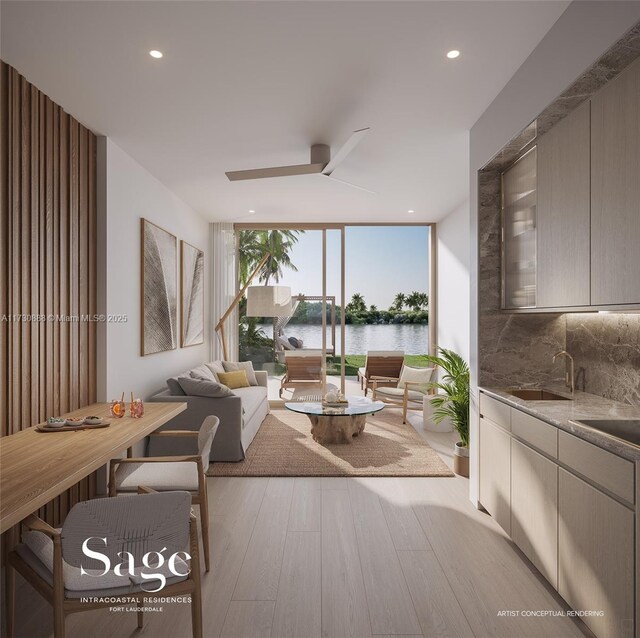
(606,349)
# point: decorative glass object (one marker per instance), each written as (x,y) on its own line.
(136,408)
(117,408)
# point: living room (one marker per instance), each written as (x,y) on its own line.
(297,280)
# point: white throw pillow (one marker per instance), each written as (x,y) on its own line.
(420,376)
(215,367)
(247,366)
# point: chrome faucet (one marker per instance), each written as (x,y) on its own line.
(568,376)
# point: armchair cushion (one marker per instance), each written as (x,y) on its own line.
(417,378)
(398,394)
(158,476)
(203,388)
(247,366)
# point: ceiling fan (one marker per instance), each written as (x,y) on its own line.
(320,163)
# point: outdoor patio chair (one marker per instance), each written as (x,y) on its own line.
(168,473)
(407,390)
(52,560)
(380,363)
(304,368)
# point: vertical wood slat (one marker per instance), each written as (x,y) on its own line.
(47,264)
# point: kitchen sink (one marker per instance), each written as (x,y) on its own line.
(625,429)
(536,394)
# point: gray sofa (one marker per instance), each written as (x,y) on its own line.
(240,418)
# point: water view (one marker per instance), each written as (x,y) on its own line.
(412,338)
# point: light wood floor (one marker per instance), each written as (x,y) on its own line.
(306,557)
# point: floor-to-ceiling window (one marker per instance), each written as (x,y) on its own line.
(367,285)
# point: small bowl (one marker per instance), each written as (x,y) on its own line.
(75,421)
(56,422)
(93,420)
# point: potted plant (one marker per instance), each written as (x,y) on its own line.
(453,402)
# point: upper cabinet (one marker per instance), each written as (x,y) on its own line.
(563,213)
(519,233)
(615,190)
(571,209)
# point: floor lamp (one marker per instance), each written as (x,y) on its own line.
(262,301)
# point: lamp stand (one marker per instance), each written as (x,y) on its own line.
(220,325)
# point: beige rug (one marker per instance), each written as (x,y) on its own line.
(283,447)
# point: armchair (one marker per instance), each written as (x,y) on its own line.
(410,388)
(169,473)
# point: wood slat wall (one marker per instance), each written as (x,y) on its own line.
(47,264)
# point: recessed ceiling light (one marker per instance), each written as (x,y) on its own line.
(251,212)
(155,54)
(411,211)
(453,54)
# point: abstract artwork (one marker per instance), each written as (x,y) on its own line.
(192,299)
(159,289)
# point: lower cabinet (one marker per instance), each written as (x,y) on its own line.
(534,508)
(596,556)
(495,472)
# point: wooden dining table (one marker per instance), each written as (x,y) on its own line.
(35,467)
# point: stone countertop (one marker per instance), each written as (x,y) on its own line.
(584,406)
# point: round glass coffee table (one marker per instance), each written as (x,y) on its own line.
(336,424)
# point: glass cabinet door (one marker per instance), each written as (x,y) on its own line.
(519,233)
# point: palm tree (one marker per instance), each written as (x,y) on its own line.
(399,301)
(417,300)
(357,303)
(255,244)
(373,308)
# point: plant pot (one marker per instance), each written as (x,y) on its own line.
(427,414)
(461,459)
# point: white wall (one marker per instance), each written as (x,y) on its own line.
(127,192)
(453,281)
(579,37)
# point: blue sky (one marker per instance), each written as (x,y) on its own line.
(380,262)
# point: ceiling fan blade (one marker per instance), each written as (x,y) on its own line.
(276,171)
(362,188)
(344,150)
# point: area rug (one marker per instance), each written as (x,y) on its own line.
(283,447)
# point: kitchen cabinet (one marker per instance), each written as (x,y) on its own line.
(615,190)
(570,506)
(519,233)
(495,472)
(595,556)
(534,508)
(563,216)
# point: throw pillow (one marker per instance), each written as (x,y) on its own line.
(201,388)
(174,387)
(247,366)
(419,378)
(203,372)
(235,379)
(216,367)
(294,342)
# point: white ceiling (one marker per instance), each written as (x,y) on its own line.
(251,84)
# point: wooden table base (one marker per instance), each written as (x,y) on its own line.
(332,428)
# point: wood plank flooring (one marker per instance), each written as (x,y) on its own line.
(330,557)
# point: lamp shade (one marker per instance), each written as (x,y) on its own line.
(268,301)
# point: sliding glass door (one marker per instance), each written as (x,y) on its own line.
(354,290)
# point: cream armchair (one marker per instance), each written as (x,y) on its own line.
(411,387)
(52,561)
(169,473)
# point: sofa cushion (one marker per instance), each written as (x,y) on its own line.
(216,367)
(174,387)
(203,372)
(251,398)
(202,388)
(236,379)
(247,366)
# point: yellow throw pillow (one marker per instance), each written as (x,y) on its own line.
(233,380)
